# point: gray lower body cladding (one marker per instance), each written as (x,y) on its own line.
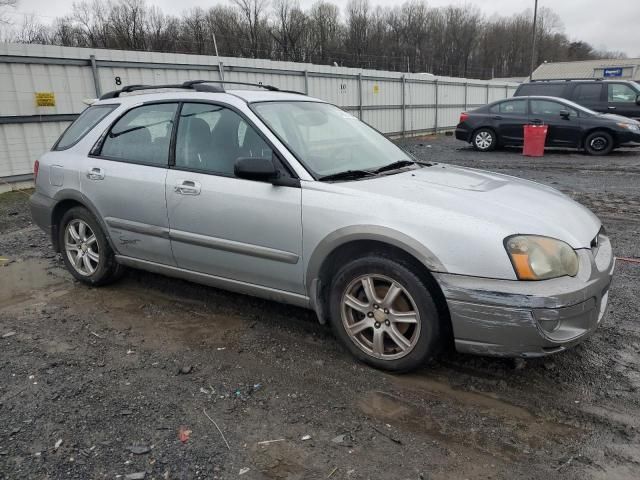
(527,319)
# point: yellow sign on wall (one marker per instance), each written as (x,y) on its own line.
(45,99)
(376,88)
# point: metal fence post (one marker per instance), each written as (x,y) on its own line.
(360,95)
(306,82)
(466,95)
(435,120)
(96,78)
(221,70)
(404,106)
(506,91)
(487,93)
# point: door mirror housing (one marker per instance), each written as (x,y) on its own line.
(565,114)
(256,168)
(638,100)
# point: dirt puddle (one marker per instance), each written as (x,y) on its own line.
(28,279)
(460,418)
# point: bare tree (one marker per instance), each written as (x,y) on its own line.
(254,21)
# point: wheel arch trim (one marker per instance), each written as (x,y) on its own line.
(76,196)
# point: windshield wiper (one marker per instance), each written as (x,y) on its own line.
(347,175)
(395,165)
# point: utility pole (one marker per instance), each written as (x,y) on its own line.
(533,40)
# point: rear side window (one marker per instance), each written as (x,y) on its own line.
(588,92)
(142,135)
(82,125)
(514,107)
(542,89)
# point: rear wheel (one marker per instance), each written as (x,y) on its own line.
(85,249)
(383,314)
(484,140)
(598,143)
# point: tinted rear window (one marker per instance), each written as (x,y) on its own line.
(542,89)
(83,124)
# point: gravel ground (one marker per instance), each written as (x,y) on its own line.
(158,378)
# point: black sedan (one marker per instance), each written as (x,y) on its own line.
(569,125)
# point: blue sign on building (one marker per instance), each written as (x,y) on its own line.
(613,72)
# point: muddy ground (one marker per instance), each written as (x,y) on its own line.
(114,382)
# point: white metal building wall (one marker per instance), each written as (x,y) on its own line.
(394,103)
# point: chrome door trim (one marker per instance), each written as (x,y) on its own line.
(234,247)
(137,227)
(218,282)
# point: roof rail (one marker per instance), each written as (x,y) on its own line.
(197,85)
(565,79)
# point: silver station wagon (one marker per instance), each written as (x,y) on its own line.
(286,197)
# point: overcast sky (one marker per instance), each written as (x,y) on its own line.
(606,24)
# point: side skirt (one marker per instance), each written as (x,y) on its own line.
(218,282)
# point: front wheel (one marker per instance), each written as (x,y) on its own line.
(383,313)
(484,140)
(85,249)
(598,143)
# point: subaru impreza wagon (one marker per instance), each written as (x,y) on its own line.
(286,197)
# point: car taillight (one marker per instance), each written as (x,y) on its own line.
(36,167)
(463,117)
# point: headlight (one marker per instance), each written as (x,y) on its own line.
(539,258)
(630,126)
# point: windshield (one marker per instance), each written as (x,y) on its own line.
(326,139)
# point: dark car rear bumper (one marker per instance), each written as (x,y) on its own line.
(463,133)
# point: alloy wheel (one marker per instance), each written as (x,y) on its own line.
(380,317)
(483,140)
(81,247)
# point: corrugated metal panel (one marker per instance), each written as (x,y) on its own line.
(21,144)
(67,72)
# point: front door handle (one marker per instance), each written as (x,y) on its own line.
(536,121)
(611,108)
(497,117)
(187,187)
(95,173)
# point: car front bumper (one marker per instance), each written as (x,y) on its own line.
(629,138)
(513,318)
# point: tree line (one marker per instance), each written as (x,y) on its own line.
(454,40)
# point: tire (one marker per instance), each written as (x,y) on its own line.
(598,143)
(382,320)
(484,140)
(80,235)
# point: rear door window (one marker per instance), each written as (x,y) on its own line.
(142,135)
(512,107)
(83,124)
(587,92)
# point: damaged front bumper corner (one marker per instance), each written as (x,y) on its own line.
(513,318)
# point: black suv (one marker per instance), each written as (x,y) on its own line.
(606,96)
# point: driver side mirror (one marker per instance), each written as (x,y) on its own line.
(638,100)
(255,168)
(565,114)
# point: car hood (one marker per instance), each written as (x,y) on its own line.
(510,204)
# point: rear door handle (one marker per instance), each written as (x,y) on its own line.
(95,173)
(611,108)
(187,187)
(536,121)
(497,117)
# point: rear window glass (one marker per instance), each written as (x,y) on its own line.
(511,107)
(81,126)
(542,89)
